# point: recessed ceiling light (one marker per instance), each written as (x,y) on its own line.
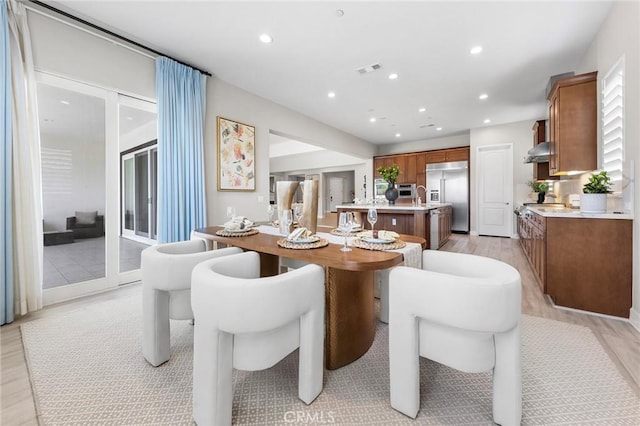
(483,96)
(487,121)
(339,13)
(393,76)
(372,120)
(266,38)
(475,50)
(65,102)
(130,118)
(438,129)
(398,135)
(422,109)
(331,94)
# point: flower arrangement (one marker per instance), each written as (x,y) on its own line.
(598,184)
(390,174)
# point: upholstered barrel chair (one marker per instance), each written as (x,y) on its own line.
(462,311)
(166,283)
(250,323)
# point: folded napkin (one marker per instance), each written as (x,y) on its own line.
(238,223)
(383,235)
(299,234)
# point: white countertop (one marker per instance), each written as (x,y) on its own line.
(422,207)
(576,213)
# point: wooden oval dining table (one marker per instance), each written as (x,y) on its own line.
(349,302)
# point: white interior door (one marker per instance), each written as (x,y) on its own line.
(495,190)
(336,191)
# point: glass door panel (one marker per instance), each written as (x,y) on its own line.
(128,194)
(138,152)
(142,194)
(73,141)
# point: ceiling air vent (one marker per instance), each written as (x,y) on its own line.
(369,68)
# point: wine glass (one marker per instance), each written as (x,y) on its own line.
(231,212)
(285,221)
(270,211)
(346,225)
(372,218)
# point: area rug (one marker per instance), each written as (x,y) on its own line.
(86,367)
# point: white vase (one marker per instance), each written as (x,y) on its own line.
(593,203)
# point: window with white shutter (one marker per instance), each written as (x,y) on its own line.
(613,122)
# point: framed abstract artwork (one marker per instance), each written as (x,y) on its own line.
(236,156)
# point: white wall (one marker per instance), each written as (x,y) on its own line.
(81,189)
(620,35)
(234,103)
(454,141)
(139,136)
(66,51)
(519,134)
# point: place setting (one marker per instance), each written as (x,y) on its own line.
(377,240)
(237,226)
(302,239)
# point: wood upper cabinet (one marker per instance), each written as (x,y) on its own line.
(408,173)
(573,124)
(541,170)
(413,166)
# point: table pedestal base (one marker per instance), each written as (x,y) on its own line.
(349,318)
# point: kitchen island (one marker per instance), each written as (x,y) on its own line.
(581,260)
(425,221)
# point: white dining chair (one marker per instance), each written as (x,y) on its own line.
(250,323)
(462,311)
(166,291)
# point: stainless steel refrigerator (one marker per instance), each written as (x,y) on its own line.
(449,183)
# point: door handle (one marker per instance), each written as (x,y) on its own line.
(506,204)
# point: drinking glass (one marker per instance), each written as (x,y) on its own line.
(285,221)
(231,212)
(346,225)
(270,211)
(342,221)
(372,218)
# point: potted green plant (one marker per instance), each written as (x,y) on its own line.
(594,196)
(390,175)
(539,187)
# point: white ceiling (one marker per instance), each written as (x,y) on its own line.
(316,51)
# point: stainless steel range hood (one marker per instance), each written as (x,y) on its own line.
(538,154)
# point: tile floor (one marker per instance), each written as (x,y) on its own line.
(84,260)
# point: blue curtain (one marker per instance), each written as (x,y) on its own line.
(6,233)
(181,109)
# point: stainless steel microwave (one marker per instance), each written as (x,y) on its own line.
(406,190)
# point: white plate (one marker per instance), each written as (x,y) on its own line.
(234,231)
(311,239)
(377,240)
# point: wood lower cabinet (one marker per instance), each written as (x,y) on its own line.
(403,221)
(400,223)
(580,263)
(445,218)
(532,232)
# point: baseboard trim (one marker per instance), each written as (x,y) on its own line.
(634,319)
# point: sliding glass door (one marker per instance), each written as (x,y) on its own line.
(140,194)
(138,182)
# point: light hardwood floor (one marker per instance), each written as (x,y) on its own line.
(619,339)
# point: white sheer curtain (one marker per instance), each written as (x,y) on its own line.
(27,194)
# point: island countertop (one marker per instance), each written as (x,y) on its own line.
(395,207)
(576,213)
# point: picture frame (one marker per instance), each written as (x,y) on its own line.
(236,155)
